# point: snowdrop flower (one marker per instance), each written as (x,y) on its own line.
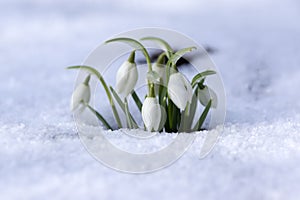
(127,76)
(153,114)
(82,93)
(205,94)
(180,90)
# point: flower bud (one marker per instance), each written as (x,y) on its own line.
(127,76)
(153,114)
(82,93)
(180,90)
(205,94)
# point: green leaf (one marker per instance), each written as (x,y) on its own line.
(176,117)
(100,117)
(137,100)
(127,113)
(102,81)
(203,116)
(123,106)
(200,76)
(165,46)
(176,56)
(172,116)
(170,113)
(193,108)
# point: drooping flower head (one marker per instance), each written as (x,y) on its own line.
(81,94)
(153,114)
(205,94)
(127,76)
(180,90)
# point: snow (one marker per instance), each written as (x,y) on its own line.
(257,45)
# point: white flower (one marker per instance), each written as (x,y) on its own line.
(180,90)
(82,93)
(127,76)
(205,94)
(154,115)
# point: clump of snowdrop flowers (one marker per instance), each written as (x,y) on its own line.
(171,101)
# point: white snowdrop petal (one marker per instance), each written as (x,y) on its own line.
(82,92)
(179,90)
(126,78)
(163,118)
(151,114)
(178,97)
(189,89)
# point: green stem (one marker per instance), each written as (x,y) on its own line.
(167,48)
(161,58)
(152,91)
(168,71)
(136,44)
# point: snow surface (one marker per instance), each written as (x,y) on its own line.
(257,45)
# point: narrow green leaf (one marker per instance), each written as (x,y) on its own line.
(203,116)
(137,100)
(176,118)
(176,56)
(161,93)
(164,45)
(123,106)
(118,99)
(200,76)
(170,113)
(100,117)
(187,117)
(102,81)
(193,108)
(164,104)
(128,119)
